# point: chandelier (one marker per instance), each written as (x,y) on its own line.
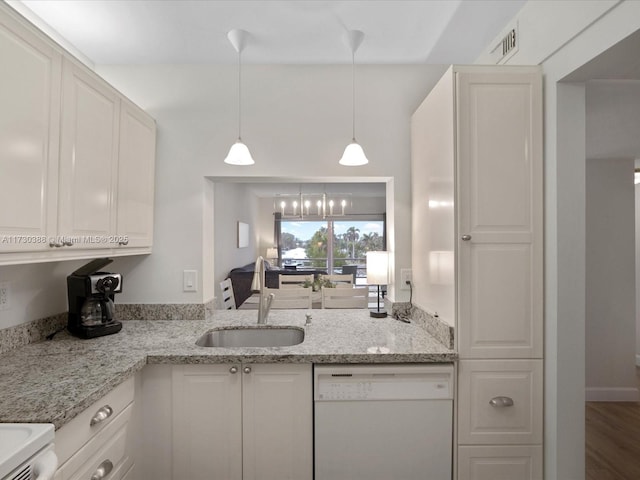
(312,205)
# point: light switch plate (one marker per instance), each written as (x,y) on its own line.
(190,281)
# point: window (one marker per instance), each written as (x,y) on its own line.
(331,244)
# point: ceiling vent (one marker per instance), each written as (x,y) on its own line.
(508,46)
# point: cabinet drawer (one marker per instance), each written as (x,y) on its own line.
(72,436)
(110,446)
(523,462)
(500,402)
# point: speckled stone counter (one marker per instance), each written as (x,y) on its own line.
(53,381)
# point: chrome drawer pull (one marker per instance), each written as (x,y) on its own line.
(101,415)
(501,402)
(103,470)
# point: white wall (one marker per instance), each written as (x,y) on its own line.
(287,110)
(233,203)
(296,121)
(613,123)
(562,36)
(35,291)
(610,281)
(637,232)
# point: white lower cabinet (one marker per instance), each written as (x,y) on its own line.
(521,462)
(500,410)
(500,401)
(207,422)
(242,422)
(98,443)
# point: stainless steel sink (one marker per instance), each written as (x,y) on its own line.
(238,337)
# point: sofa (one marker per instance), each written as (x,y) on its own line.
(242,277)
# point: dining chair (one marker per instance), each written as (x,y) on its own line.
(350,270)
(290,297)
(285,280)
(339,280)
(228,299)
(356,297)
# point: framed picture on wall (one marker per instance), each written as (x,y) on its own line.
(243,235)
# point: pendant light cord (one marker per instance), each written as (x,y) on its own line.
(353,93)
(239,96)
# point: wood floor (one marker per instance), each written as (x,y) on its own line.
(613,440)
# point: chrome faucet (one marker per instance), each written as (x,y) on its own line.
(264,305)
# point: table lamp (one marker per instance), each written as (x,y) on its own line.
(378,274)
(272,253)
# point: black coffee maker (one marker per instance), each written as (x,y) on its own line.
(91,293)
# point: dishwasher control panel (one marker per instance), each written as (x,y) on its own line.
(387,382)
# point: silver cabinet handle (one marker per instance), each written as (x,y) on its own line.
(233,370)
(67,243)
(126,242)
(466,238)
(246,369)
(101,415)
(53,244)
(103,470)
(501,402)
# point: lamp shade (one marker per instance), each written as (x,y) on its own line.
(239,155)
(353,155)
(272,252)
(377,268)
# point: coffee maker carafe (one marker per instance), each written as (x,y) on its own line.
(91,294)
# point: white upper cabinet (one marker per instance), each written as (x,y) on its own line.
(29,133)
(88,158)
(136,167)
(76,157)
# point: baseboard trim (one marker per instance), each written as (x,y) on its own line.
(598,394)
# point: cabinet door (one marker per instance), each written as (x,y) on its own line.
(499,178)
(88,158)
(500,462)
(277,422)
(135,177)
(29,132)
(207,422)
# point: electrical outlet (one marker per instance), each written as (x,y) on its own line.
(4,296)
(405,276)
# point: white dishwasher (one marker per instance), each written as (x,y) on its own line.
(383,422)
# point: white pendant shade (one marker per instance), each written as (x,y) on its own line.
(239,155)
(353,155)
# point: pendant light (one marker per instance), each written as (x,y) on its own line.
(239,153)
(354,155)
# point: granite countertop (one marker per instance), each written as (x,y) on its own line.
(53,381)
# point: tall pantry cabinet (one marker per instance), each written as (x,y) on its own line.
(477,256)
